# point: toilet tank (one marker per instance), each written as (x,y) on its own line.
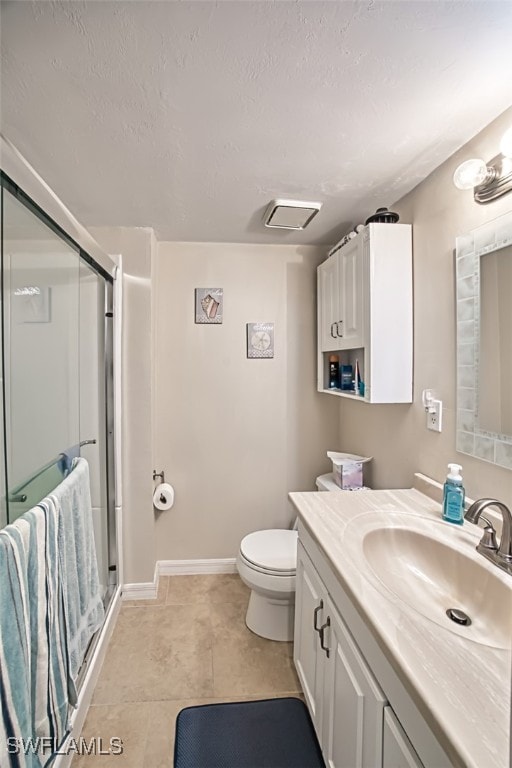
(326,483)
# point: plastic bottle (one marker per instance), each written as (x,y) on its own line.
(334,372)
(346,377)
(453,496)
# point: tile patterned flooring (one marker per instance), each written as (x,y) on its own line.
(188,646)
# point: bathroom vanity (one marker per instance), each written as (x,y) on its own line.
(388,679)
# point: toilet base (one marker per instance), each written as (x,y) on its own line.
(271,618)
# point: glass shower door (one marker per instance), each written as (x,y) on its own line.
(41,280)
(57,357)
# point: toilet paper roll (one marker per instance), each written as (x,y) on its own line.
(163,497)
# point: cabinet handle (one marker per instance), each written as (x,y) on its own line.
(315,615)
(332,332)
(321,633)
(340,335)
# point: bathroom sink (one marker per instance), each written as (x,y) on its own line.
(432,568)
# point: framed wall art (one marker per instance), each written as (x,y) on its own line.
(260,340)
(209,305)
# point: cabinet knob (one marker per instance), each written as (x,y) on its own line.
(321,633)
(315,615)
(332,330)
(340,335)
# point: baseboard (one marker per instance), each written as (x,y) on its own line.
(141,591)
(191,567)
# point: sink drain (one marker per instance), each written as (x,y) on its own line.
(458,616)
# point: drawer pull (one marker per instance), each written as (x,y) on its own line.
(315,615)
(321,633)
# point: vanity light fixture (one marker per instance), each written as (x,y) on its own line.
(488,180)
(290,214)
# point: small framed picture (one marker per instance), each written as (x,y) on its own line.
(209,305)
(260,340)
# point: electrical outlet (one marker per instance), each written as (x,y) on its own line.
(435,415)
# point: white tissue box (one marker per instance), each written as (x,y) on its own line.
(348,475)
(347,469)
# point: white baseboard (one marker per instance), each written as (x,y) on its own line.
(190,567)
(141,591)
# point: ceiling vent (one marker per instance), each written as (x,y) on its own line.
(290,214)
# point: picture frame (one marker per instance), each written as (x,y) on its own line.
(260,340)
(209,306)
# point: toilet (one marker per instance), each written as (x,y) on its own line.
(267,564)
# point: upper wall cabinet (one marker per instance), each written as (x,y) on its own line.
(365,315)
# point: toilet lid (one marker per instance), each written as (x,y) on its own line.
(274,550)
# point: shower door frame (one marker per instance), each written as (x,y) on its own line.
(113,543)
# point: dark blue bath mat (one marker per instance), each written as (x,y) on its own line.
(275,733)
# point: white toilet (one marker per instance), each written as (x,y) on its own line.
(267,564)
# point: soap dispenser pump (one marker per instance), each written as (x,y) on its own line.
(453,496)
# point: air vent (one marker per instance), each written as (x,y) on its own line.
(290,214)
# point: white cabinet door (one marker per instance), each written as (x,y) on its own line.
(398,750)
(310,612)
(350,276)
(353,703)
(328,305)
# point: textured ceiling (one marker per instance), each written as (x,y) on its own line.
(190,117)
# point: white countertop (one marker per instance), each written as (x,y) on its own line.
(461,687)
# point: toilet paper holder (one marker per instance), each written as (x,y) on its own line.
(159,474)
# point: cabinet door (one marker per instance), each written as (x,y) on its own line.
(328,305)
(354,703)
(398,750)
(350,277)
(310,613)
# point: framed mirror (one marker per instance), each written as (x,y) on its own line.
(484,342)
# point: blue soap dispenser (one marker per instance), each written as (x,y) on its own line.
(453,496)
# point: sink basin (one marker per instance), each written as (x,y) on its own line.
(433,567)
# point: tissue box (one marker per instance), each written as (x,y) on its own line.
(348,475)
(347,469)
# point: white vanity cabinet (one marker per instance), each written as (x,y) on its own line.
(398,751)
(344,699)
(365,313)
(354,721)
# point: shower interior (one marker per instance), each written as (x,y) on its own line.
(56,370)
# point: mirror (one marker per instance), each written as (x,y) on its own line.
(484,342)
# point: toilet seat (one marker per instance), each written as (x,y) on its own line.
(271,551)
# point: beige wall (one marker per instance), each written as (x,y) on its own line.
(235,435)
(137,247)
(396,435)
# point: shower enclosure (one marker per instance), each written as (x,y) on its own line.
(56,370)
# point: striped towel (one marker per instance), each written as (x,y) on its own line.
(33,653)
(83,605)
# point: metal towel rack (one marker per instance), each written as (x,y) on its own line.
(18,497)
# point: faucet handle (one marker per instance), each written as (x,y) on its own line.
(488,540)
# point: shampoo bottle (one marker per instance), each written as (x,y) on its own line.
(453,496)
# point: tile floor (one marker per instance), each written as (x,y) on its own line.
(189,646)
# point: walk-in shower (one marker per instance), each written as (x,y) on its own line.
(56,370)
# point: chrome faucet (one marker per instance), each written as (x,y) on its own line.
(488,547)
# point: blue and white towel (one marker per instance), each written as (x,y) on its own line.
(83,605)
(33,654)
(50,607)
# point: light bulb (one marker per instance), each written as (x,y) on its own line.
(506,143)
(470,174)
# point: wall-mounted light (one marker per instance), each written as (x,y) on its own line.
(488,180)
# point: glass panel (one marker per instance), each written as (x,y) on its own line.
(57,378)
(41,342)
